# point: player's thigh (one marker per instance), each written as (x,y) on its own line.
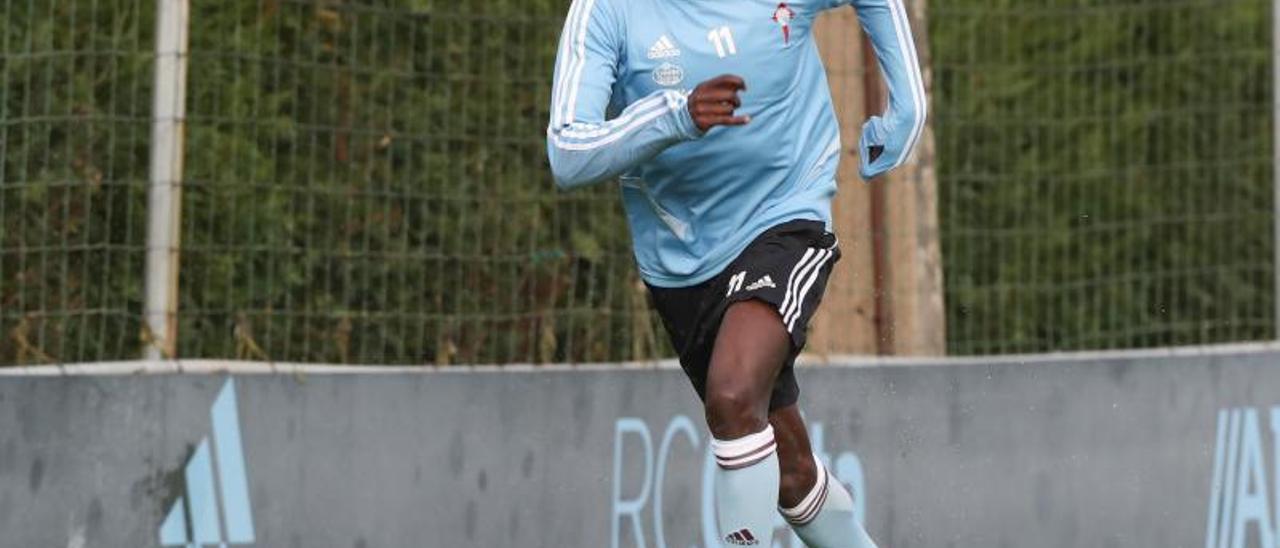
(751,348)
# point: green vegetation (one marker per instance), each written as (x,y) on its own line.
(366,182)
(1105,172)
(369,184)
(75,81)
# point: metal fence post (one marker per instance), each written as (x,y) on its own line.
(164,197)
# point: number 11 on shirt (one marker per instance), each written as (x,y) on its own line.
(723,39)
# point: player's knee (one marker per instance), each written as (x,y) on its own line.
(733,412)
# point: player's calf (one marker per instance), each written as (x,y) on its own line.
(795,456)
(798,479)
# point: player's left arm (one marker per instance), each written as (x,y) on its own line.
(888,139)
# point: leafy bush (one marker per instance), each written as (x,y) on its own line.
(1105,172)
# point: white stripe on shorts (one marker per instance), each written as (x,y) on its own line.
(826,255)
(793,279)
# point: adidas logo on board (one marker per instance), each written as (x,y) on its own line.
(214,510)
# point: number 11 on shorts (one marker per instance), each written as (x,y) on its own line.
(735,283)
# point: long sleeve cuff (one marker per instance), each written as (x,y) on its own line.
(684,124)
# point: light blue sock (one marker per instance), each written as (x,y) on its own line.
(747,489)
(824,518)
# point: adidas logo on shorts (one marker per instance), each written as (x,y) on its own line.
(664,48)
(741,537)
(762,283)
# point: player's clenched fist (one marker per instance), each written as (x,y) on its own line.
(713,103)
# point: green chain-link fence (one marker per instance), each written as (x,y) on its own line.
(365,182)
(1105,172)
(75,107)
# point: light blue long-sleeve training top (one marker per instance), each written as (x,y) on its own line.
(624,72)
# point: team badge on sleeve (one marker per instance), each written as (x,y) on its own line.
(783,16)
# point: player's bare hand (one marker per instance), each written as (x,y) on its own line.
(714,102)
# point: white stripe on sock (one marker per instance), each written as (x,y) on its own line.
(808,508)
(746,450)
(749,460)
(817,505)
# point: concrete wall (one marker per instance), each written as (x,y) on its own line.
(1089,452)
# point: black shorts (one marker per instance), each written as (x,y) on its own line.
(787,267)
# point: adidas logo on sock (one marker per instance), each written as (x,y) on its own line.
(741,537)
(664,48)
(764,282)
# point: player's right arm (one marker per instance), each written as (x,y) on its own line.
(583,147)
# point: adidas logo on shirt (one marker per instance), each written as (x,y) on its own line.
(664,48)
(741,537)
(764,282)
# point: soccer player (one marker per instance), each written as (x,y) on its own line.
(716,117)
